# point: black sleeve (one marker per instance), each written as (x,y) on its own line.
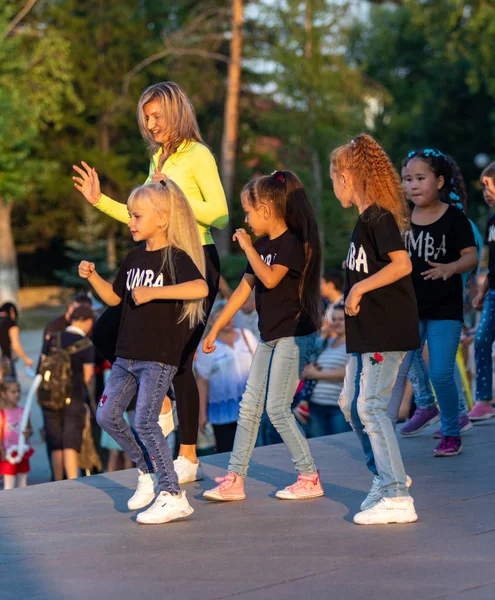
(249,269)
(386,235)
(185,269)
(120,280)
(290,254)
(463,232)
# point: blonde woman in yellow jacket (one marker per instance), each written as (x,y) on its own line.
(168,124)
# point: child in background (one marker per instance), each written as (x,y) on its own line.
(426,411)
(485,301)
(162,287)
(284,265)
(442,247)
(222,377)
(14,475)
(381,315)
(247,317)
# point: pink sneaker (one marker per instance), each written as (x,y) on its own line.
(306,486)
(481,411)
(231,488)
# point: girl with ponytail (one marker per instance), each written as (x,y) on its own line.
(381,319)
(284,268)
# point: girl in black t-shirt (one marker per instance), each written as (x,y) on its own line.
(161,286)
(485,301)
(381,318)
(284,268)
(442,247)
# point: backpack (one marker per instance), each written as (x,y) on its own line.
(55,389)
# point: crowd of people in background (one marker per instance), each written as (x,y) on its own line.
(180,365)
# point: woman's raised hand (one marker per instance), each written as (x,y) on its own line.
(88,183)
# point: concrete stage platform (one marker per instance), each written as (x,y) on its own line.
(76,540)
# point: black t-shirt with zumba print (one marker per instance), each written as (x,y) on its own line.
(388,317)
(279,308)
(151,331)
(439,242)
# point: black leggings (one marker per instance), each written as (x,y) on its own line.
(186,390)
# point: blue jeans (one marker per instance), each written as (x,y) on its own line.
(365,398)
(273,378)
(145,444)
(326,420)
(443,340)
(483,341)
(422,388)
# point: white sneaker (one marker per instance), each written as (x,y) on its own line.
(145,492)
(376,492)
(166,508)
(388,510)
(187,471)
(166,422)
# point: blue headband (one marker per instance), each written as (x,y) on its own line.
(426,152)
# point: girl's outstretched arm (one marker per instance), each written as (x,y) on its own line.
(101,287)
(399,266)
(238,298)
(189,290)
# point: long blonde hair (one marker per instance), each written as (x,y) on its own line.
(373,176)
(178,112)
(182,233)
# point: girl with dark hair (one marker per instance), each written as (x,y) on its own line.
(442,247)
(168,124)
(381,318)
(426,411)
(284,268)
(10,342)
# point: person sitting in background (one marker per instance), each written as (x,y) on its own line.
(325,416)
(222,378)
(10,343)
(247,317)
(331,289)
(64,428)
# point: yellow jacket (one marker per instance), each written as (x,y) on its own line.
(193,168)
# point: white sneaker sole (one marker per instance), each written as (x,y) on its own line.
(483,418)
(401,518)
(211,495)
(180,514)
(416,431)
(447,454)
(281,495)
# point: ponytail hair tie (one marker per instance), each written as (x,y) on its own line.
(279,176)
(163,182)
(454,196)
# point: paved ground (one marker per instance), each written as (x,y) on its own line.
(75,540)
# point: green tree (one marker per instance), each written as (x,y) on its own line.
(313,100)
(35,82)
(430,77)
